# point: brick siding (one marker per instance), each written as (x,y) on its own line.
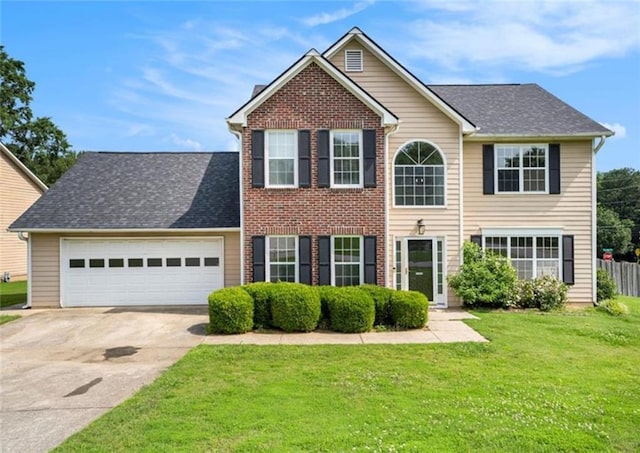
(313,100)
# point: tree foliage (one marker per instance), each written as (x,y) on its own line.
(36,141)
(619,211)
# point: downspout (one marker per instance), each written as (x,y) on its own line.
(240,168)
(594,220)
(24,238)
(387,195)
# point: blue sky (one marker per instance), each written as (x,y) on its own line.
(156,76)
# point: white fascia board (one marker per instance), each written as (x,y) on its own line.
(240,117)
(478,137)
(358,35)
(23,168)
(125,230)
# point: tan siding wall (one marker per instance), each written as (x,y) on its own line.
(571,210)
(17,193)
(45,250)
(419,120)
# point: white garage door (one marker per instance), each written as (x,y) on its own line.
(106,272)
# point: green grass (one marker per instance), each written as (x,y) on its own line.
(8,318)
(13,293)
(546,382)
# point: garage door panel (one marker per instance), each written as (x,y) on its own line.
(130,280)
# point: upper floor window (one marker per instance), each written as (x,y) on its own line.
(419,175)
(346,158)
(281,156)
(521,168)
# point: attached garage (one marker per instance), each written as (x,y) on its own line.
(114,272)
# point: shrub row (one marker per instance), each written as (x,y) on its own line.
(295,307)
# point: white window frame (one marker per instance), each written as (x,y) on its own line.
(393,176)
(267,158)
(346,65)
(360,159)
(267,258)
(333,261)
(522,147)
(532,233)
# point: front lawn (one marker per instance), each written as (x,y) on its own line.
(546,382)
(13,293)
(8,318)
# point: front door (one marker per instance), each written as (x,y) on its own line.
(420,266)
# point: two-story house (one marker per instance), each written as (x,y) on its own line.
(350,171)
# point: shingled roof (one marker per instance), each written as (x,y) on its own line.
(141,191)
(520,109)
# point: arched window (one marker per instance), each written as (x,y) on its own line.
(419,175)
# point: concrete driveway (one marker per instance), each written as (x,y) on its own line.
(61,369)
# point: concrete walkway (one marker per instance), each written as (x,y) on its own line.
(444,326)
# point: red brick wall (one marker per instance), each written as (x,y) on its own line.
(313,100)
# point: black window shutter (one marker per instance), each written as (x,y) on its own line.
(257,158)
(304,158)
(304,252)
(370,273)
(258,244)
(567,260)
(323,159)
(369,151)
(324,260)
(554,168)
(477,239)
(487,170)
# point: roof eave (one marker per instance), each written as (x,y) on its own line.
(355,33)
(573,136)
(239,118)
(23,168)
(122,230)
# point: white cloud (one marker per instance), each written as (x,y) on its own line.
(334,16)
(550,37)
(186,142)
(619,129)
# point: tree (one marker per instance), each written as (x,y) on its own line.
(612,232)
(37,142)
(619,191)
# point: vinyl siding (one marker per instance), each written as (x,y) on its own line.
(45,250)
(570,210)
(17,193)
(420,120)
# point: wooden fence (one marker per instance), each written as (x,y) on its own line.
(626,276)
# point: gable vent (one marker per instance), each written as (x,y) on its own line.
(353,60)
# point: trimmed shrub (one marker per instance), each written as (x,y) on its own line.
(260,292)
(351,310)
(524,295)
(295,307)
(409,309)
(381,297)
(613,307)
(325,292)
(606,286)
(550,293)
(485,279)
(230,311)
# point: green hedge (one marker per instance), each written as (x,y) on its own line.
(409,309)
(230,311)
(381,297)
(351,310)
(261,293)
(295,307)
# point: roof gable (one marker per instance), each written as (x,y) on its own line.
(22,168)
(239,117)
(358,35)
